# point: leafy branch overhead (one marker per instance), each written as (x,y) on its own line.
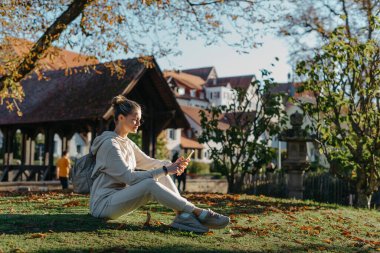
(108,29)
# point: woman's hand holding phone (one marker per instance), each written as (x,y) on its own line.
(179,166)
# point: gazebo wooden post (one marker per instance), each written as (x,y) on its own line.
(49,150)
(23,151)
(146,141)
(5,145)
(10,135)
(5,176)
(153,139)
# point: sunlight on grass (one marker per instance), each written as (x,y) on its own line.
(59,222)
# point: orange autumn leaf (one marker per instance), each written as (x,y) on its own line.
(327,241)
(38,235)
(72,203)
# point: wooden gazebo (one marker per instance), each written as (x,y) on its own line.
(80,103)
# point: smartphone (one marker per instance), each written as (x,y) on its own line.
(191,153)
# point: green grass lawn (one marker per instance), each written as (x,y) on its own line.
(59,222)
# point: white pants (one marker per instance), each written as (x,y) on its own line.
(126,200)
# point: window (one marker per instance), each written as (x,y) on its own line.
(192,93)
(216,94)
(181,91)
(79,149)
(189,133)
(172,134)
(199,153)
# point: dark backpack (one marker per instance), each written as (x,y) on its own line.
(81,173)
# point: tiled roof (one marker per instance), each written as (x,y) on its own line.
(62,58)
(286,88)
(87,93)
(190,81)
(193,113)
(203,73)
(241,82)
(189,143)
(238,118)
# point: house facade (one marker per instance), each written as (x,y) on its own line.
(195,90)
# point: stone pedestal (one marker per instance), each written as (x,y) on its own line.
(297,160)
(295,184)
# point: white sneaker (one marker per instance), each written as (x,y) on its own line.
(188,222)
(214,220)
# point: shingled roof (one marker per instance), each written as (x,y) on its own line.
(86,94)
(193,113)
(184,79)
(203,73)
(241,82)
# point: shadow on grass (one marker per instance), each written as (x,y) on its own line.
(200,248)
(36,223)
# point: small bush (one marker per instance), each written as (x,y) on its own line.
(198,168)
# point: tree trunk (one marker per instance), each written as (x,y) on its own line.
(235,183)
(231,184)
(363,200)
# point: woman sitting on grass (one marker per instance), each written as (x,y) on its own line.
(119,189)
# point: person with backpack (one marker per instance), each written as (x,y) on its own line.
(129,178)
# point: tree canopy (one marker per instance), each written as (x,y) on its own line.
(344,77)
(307,26)
(110,29)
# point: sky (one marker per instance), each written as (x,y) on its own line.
(230,63)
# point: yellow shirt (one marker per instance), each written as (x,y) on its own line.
(63,165)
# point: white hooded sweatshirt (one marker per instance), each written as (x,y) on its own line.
(117,158)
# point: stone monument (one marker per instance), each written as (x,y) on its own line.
(297,161)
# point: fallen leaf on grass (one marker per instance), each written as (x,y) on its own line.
(18,250)
(311,230)
(273,209)
(346,233)
(210,233)
(72,203)
(38,235)
(291,217)
(327,241)
(238,235)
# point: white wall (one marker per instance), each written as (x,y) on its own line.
(193,102)
(75,141)
(225,97)
(173,137)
